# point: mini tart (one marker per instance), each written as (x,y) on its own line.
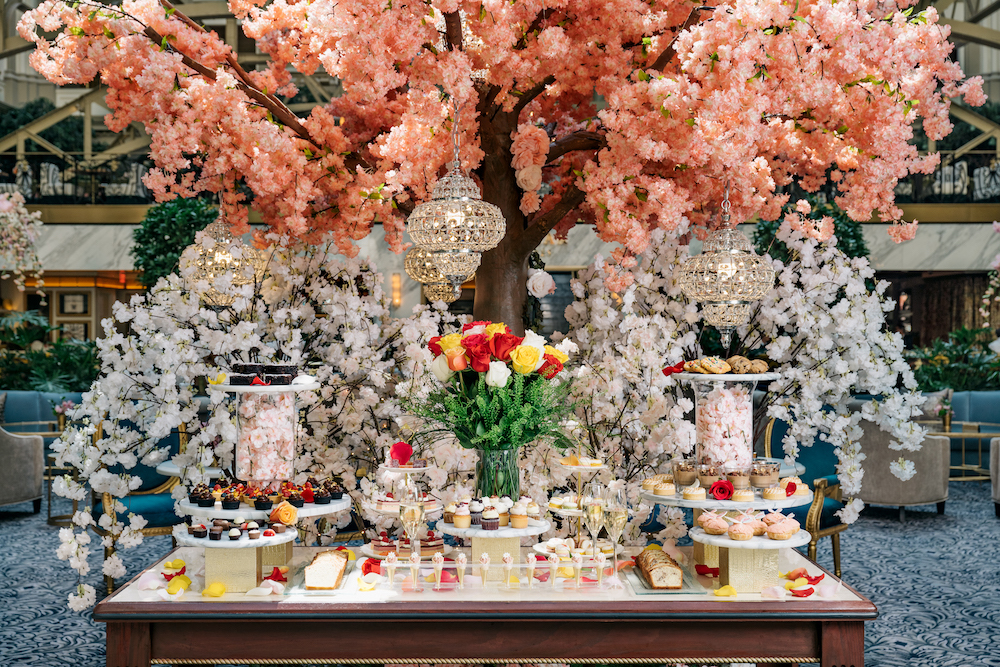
(801,490)
(694,493)
(742,496)
(785,481)
(665,489)
(740,532)
(774,493)
(649,484)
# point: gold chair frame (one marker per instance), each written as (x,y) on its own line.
(56,428)
(821,491)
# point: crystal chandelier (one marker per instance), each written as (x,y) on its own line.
(228,255)
(456,225)
(726,277)
(420,266)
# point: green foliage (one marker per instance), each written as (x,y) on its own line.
(166,230)
(20,329)
(29,363)
(67,134)
(850,237)
(962,362)
(528,408)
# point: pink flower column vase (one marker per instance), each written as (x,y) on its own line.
(724,422)
(265,449)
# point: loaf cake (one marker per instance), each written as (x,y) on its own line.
(326,570)
(659,569)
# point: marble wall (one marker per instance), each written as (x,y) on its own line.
(952,246)
(86,247)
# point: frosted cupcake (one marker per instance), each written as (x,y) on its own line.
(490,519)
(462,517)
(476,510)
(519,516)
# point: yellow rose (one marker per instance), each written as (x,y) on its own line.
(450,341)
(495,328)
(524,358)
(558,354)
(285,513)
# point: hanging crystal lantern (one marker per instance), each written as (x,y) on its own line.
(441,292)
(228,255)
(456,224)
(726,277)
(420,266)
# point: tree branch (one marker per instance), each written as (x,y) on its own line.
(535,25)
(542,224)
(533,92)
(453,31)
(577,141)
(668,53)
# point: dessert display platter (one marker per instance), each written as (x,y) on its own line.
(446,550)
(244,542)
(171,469)
(429,509)
(307,511)
(712,504)
(799,539)
(727,377)
(310,385)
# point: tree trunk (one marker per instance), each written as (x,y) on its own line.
(501,280)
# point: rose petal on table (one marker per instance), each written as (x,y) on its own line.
(214,590)
(814,580)
(169,576)
(726,591)
(277,575)
(774,593)
(260,591)
(802,592)
(705,570)
(829,590)
(276,586)
(150,581)
(178,583)
(164,595)
(798,583)
(176,564)
(674,553)
(795,574)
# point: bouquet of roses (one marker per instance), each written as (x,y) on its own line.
(500,391)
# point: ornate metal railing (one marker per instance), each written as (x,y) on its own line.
(47,178)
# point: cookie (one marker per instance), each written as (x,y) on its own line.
(758,366)
(714,365)
(693,367)
(739,364)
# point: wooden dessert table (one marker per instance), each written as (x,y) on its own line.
(476,625)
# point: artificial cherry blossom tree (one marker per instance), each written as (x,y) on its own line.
(625,113)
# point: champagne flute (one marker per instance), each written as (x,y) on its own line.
(593,511)
(411,514)
(615,518)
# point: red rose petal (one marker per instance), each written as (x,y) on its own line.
(168,577)
(276,575)
(371,565)
(802,592)
(814,580)
(790,489)
(705,570)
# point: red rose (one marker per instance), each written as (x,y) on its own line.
(790,489)
(478,351)
(502,344)
(802,592)
(434,345)
(705,570)
(401,452)
(307,494)
(473,325)
(722,490)
(550,366)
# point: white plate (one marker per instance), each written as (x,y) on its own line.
(307,511)
(244,542)
(269,389)
(541,548)
(726,377)
(424,553)
(713,504)
(414,471)
(562,512)
(428,511)
(535,527)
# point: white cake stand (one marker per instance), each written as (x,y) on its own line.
(726,505)
(726,377)
(237,564)
(495,542)
(248,512)
(395,512)
(244,542)
(751,565)
(269,389)
(171,469)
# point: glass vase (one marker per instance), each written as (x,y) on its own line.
(724,422)
(265,447)
(498,473)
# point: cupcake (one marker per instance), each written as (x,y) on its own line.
(295,499)
(449,513)
(519,516)
(665,489)
(740,532)
(774,493)
(490,519)
(462,517)
(321,496)
(504,516)
(235,533)
(200,531)
(742,496)
(694,493)
(533,510)
(715,526)
(215,533)
(476,510)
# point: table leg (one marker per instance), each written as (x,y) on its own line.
(843,644)
(127,644)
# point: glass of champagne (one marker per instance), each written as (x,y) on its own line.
(615,518)
(593,511)
(411,515)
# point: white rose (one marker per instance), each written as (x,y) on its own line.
(540,283)
(440,368)
(498,374)
(529,179)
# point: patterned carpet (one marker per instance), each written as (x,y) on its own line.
(935,579)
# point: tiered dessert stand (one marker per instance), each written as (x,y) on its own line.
(746,565)
(372,507)
(580,472)
(495,542)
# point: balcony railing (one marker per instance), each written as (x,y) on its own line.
(46,178)
(970,178)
